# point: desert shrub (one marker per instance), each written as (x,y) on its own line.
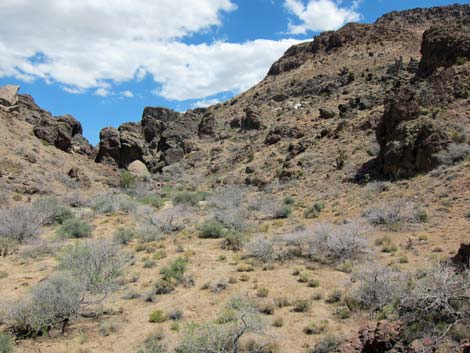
(334,296)
(127,180)
(52,304)
(175,270)
(155,226)
(50,211)
(282,212)
(453,153)
(74,228)
(164,286)
(439,299)
(108,203)
(157,317)
(131,294)
(243,319)
(394,215)
(278,322)
(233,241)
(107,328)
(19,224)
(175,315)
(123,236)
(262,292)
(153,344)
(316,328)
(266,250)
(5,343)
(315,210)
(228,203)
(39,248)
(219,286)
(211,229)
(97,264)
(190,198)
(327,344)
(301,306)
(152,200)
(338,243)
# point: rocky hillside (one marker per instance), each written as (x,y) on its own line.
(394,90)
(323,210)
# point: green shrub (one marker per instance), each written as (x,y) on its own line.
(278,322)
(152,200)
(262,292)
(283,212)
(301,306)
(334,296)
(191,198)
(313,283)
(153,344)
(289,201)
(74,228)
(5,343)
(233,241)
(327,344)
(50,211)
(175,270)
(316,329)
(315,210)
(123,236)
(157,317)
(163,286)
(211,229)
(127,180)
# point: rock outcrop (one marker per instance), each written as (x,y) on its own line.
(411,132)
(444,46)
(376,337)
(160,139)
(63,132)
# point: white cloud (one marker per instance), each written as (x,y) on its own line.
(203,103)
(92,44)
(320,15)
(127,94)
(102,92)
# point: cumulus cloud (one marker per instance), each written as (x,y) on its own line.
(127,94)
(95,44)
(320,15)
(203,103)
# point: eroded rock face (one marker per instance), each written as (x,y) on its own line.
(251,120)
(9,95)
(63,132)
(411,131)
(461,260)
(376,337)
(163,137)
(444,46)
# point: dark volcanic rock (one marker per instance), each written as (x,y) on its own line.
(207,125)
(326,113)
(444,46)
(251,120)
(377,337)
(461,260)
(110,146)
(408,140)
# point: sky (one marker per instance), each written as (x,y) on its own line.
(103,61)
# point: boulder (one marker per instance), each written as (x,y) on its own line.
(461,260)
(138,169)
(326,113)
(251,120)
(9,95)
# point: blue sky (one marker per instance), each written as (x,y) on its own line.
(103,61)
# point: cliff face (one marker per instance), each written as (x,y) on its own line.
(343,84)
